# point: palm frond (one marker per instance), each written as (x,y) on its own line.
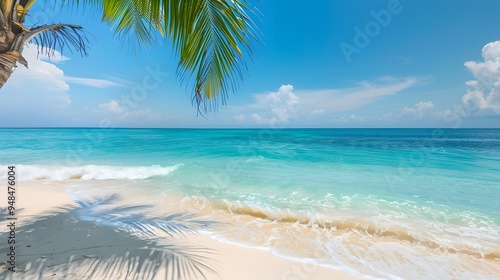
(25,6)
(132,20)
(4,24)
(211,47)
(212,38)
(50,38)
(133,17)
(6,9)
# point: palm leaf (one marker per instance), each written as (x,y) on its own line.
(3,20)
(50,38)
(132,17)
(210,44)
(6,9)
(26,6)
(211,37)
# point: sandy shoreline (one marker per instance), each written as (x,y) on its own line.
(53,243)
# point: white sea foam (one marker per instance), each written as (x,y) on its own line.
(89,172)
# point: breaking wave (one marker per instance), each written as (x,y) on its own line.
(371,228)
(90,172)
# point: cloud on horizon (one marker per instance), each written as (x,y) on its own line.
(40,94)
(343,100)
(282,105)
(122,113)
(287,105)
(483,95)
(419,110)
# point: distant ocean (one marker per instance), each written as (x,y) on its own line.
(377,203)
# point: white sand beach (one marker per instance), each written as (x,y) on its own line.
(53,243)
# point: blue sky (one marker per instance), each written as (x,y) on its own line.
(366,63)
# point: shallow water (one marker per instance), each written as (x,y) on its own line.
(384,203)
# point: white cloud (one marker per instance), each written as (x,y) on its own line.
(342,100)
(318,112)
(112,106)
(259,120)
(40,95)
(145,113)
(447,114)
(483,95)
(42,71)
(57,57)
(311,106)
(239,118)
(41,85)
(353,118)
(419,110)
(98,83)
(123,112)
(281,105)
(387,117)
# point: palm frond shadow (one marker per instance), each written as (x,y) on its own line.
(104,248)
(133,218)
(3,213)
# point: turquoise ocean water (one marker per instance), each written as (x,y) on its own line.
(377,203)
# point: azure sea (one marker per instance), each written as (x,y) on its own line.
(378,203)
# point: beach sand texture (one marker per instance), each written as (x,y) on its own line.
(53,243)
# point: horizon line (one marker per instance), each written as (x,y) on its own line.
(248,128)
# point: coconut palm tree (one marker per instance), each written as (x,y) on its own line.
(212,38)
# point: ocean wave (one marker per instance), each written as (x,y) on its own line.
(363,226)
(90,172)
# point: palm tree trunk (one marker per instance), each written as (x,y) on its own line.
(7,64)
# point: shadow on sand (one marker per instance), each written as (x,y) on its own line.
(101,241)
